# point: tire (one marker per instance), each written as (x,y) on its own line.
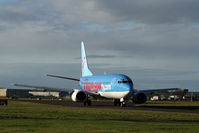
(89,102)
(84,103)
(123,104)
(115,102)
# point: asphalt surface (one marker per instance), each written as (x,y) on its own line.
(130,106)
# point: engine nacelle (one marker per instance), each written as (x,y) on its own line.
(139,98)
(78,96)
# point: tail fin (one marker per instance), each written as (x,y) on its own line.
(85,69)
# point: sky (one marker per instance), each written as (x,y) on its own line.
(154,42)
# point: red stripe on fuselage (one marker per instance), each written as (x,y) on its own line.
(92,86)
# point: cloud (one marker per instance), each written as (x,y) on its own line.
(98,56)
(36,26)
(139,11)
(127,34)
(151,12)
(63,13)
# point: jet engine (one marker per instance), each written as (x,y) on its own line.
(78,96)
(139,98)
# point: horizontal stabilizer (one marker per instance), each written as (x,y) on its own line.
(63,77)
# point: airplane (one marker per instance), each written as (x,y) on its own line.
(109,86)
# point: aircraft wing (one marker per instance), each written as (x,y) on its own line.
(151,92)
(44,88)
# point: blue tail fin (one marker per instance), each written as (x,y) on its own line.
(85,69)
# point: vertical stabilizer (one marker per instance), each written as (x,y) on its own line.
(85,69)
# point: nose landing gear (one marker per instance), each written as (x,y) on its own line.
(120,102)
(123,104)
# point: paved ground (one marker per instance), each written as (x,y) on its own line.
(130,106)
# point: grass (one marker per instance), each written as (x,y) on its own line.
(33,117)
(79,126)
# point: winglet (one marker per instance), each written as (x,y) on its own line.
(85,69)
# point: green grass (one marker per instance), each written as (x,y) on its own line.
(33,117)
(79,126)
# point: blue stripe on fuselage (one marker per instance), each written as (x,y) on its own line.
(106,83)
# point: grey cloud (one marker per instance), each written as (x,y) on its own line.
(33,12)
(62,14)
(181,42)
(144,78)
(2,28)
(152,42)
(101,56)
(98,56)
(14,16)
(114,31)
(151,78)
(151,11)
(35,74)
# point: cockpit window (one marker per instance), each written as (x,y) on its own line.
(124,82)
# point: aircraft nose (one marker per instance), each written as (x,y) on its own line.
(128,87)
(128,90)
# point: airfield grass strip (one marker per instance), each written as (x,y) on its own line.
(28,117)
(26,110)
(57,126)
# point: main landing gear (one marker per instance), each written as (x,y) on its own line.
(87,102)
(120,102)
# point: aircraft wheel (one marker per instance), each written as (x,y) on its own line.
(89,102)
(85,103)
(116,102)
(123,104)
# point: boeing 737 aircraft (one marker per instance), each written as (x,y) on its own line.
(112,86)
